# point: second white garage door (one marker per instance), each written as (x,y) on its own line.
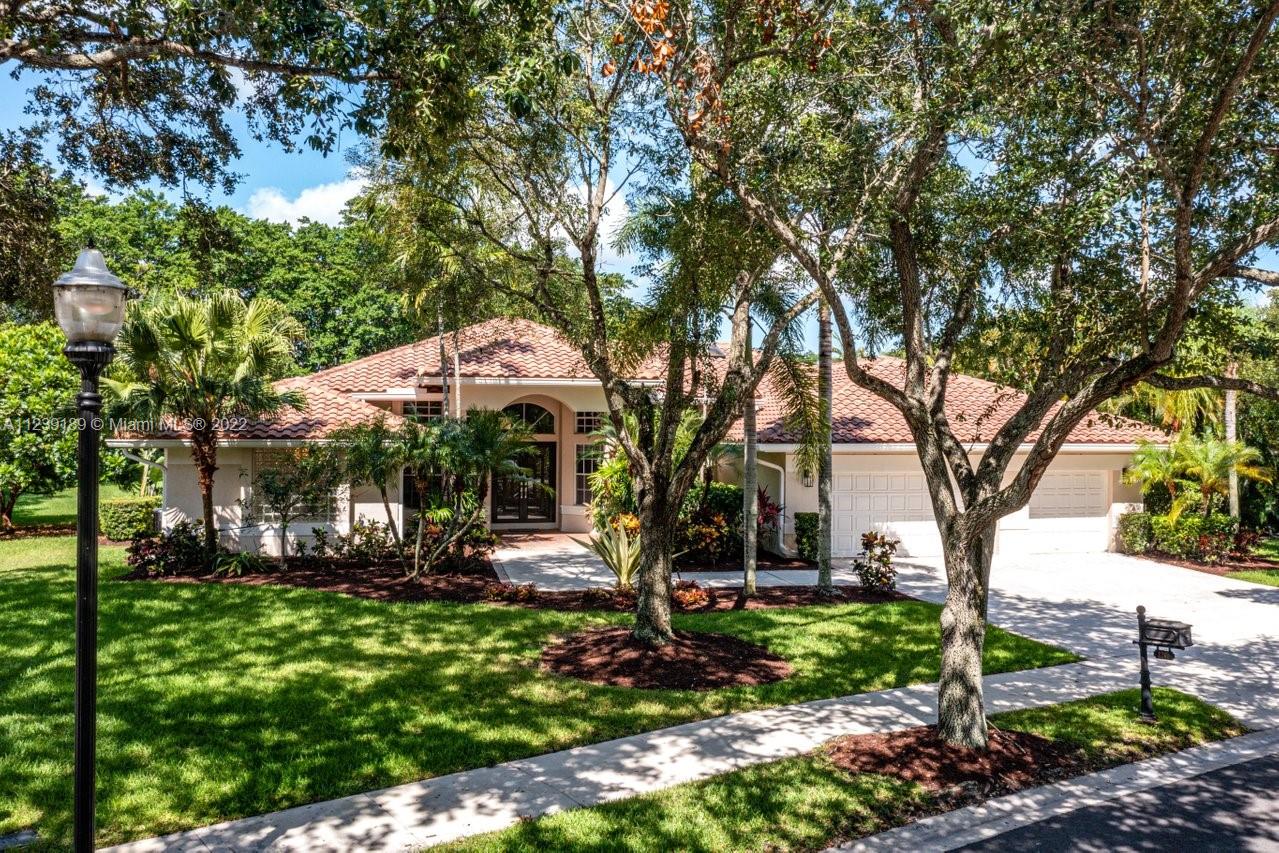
(896,504)
(1069,512)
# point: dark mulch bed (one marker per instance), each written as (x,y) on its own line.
(1234,564)
(1015,760)
(693,660)
(380,582)
(766,562)
(27,531)
(387,582)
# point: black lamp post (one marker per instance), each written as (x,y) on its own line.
(88,302)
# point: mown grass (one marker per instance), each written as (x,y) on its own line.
(222,701)
(59,507)
(807,803)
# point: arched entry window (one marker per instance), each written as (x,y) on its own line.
(538,419)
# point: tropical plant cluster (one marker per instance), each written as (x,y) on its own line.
(1193,474)
(1210,539)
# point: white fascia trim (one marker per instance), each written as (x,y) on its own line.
(222,442)
(388,394)
(908,447)
(519,380)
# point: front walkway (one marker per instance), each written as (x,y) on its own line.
(555,561)
(1084,603)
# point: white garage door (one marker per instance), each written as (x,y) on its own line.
(896,504)
(1069,513)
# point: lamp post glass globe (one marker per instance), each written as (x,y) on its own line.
(88,301)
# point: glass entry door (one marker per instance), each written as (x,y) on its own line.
(529,499)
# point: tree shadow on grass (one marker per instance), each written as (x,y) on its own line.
(217,702)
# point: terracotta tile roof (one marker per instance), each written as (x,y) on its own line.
(976,409)
(494,349)
(324,412)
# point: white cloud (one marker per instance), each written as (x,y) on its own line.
(322,203)
(615,213)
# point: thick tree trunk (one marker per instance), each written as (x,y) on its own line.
(204,453)
(658,516)
(961,710)
(824,471)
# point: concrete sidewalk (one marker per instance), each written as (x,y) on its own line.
(447,808)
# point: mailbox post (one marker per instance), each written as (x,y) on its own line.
(1165,635)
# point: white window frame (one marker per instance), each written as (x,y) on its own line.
(263,517)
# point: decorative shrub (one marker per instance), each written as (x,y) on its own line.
(806,534)
(714,499)
(707,539)
(875,564)
(1208,539)
(239,564)
(769,518)
(178,552)
(1246,541)
(610,597)
(366,542)
(510,592)
(124,518)
(1135,533)
(626,521)
(689,595)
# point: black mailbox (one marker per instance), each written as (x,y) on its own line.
(1167,633)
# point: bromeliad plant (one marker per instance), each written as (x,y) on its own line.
(619,551)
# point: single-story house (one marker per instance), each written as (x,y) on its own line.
(529,371)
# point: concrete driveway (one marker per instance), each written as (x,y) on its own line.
(1083,602)
(555,561)
(1087,603)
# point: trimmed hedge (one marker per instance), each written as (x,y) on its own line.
(1135,533)
(1197,537)
(806,534)
(120,519)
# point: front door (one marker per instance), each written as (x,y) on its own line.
(529,499)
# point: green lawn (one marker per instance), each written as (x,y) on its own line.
(59,507)
(1269,577)
(1268,549)
(807,803)
(219,702)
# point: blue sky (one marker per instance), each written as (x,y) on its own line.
(276,185)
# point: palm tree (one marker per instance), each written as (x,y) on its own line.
(1207,465)
(374,456)
(1154,464)
(459,460)
(825,395)
(1176,411)
(200,362)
